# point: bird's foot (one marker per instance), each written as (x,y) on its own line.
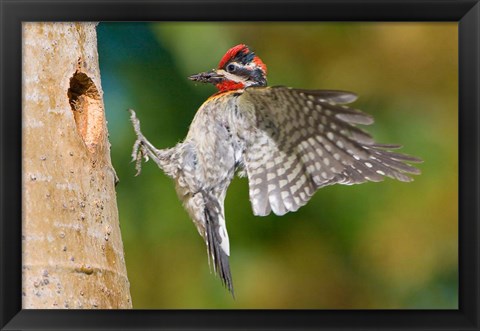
(142,148)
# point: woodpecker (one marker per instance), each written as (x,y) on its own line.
(288,142)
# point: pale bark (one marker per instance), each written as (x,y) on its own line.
(72,248)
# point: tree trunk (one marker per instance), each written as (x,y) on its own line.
(72,247)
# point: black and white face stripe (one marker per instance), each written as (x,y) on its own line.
(249,74)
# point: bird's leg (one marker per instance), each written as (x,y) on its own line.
(142,148)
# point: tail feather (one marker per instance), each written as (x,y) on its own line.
(217,255)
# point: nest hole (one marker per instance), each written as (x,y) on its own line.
(87,109)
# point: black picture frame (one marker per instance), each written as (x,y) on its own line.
(14,12)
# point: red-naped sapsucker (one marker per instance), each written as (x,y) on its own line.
(288,142)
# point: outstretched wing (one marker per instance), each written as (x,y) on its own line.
(301,140)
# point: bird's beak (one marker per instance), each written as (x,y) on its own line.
(212,77)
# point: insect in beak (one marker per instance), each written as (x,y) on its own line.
(207,77)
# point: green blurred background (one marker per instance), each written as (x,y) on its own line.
(371,246)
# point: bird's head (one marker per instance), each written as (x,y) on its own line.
(239,68)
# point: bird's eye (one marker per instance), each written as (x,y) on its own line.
(231,67)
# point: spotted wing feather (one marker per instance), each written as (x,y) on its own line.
(302,140)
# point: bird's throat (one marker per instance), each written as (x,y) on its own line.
(229,85)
